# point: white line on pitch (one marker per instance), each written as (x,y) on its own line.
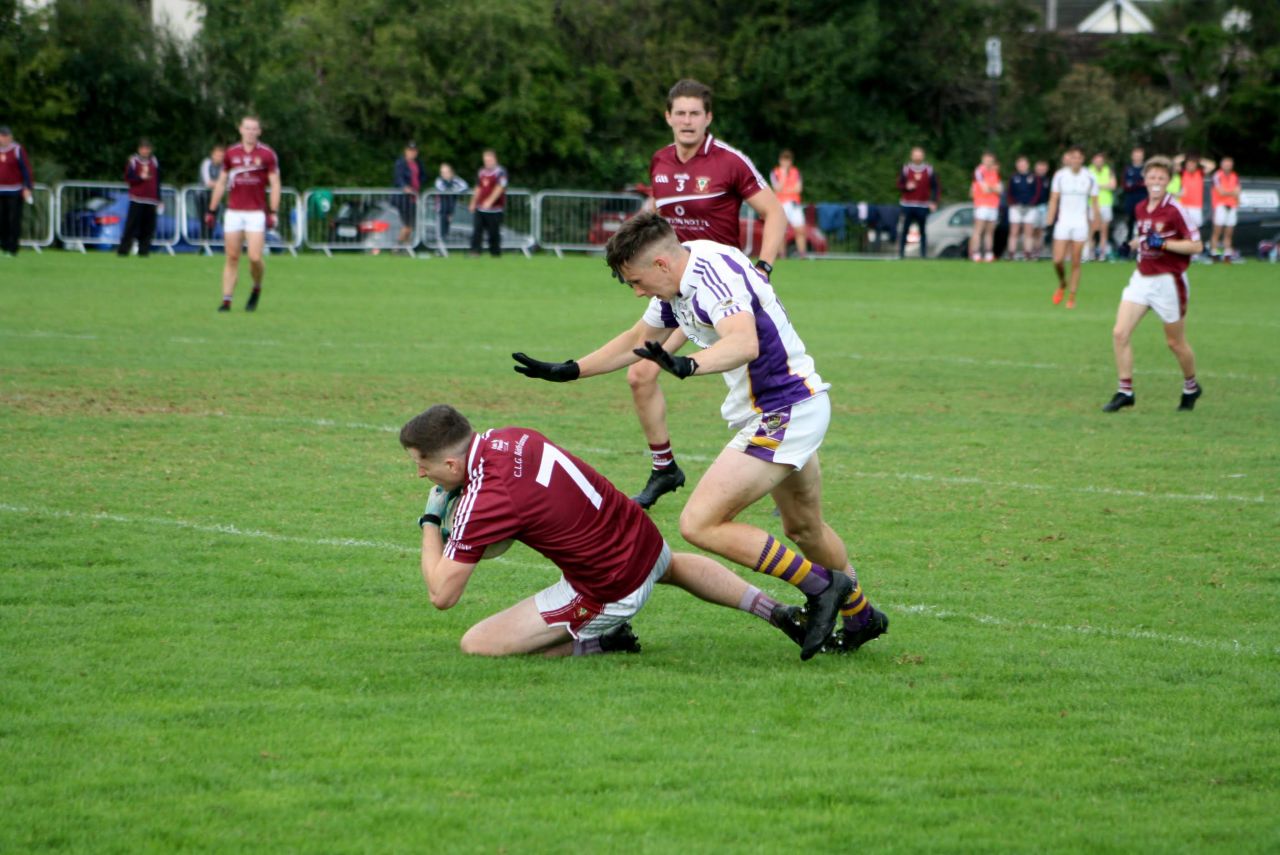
(916,609)
(1104,491)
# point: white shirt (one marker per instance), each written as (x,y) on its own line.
(718,282)
(1075,190)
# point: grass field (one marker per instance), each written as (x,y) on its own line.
(214,634)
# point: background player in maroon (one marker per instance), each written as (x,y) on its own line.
(515,483)
(1167,239)
(699,184)
(248,169)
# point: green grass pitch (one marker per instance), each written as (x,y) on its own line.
(214,634)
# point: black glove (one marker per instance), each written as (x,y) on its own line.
(1154,241)
(681,366)
(556,372)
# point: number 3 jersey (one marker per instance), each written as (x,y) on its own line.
(521,485)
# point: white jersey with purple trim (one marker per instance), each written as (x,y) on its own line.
(718,282)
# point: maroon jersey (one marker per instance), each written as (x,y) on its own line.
(15,169)
(143,175)
(488,180)
(521,485)
(701,198)
(926,187)
(247,173)
(1170,222)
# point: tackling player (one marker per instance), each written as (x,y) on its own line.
(515,483)
(777,403)
(699,184)
(1167,240)
(248,168)
(1073,204)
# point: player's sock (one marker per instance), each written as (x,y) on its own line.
(586,646)
(758,603)
(226,302)
(1126,385)
(1189,385)
(662,454)
(792,568)
(855,612)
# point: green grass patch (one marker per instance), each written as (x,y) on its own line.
(214,634)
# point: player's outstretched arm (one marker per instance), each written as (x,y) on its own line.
(737,346)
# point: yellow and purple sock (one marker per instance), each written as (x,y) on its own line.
(855,612)
(792,568)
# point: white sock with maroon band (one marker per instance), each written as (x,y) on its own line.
(662,455)
(758,603)
(1189,385)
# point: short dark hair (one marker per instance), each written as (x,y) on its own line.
(1072,148)
(690,89)
(437,429)
(143,142)
(786,154)
(633,238)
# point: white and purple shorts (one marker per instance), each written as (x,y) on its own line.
(789,436)
(562,604)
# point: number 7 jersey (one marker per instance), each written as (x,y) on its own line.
(521,485)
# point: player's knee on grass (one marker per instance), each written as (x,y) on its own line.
(475,642)
(643,376)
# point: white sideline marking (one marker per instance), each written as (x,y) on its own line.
(1136,634)
(1080,368)
(913,609)
(1103,491)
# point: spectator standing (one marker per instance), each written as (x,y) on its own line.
(1101,227)
(787,186)
(985,191)
(1042,207)
(16,185)
(408,178)
(210,169)
(142,173)
(1225,197)
(488,203)
(1135,191)
(249,169)
(450,186)
(1024,189)
(1190,193)
(918,193)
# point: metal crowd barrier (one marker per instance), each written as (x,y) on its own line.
(286,236)
(37,219)
(361,218)
(851,241)
(581,221)
(92,213)
(443,226)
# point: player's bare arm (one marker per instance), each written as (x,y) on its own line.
(273,179)
(766,204)
(617,353)
(446,579)
(1052,216)
(737,346)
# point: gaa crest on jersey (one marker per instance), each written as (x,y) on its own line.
(703,183)
(661,178)
(499,444)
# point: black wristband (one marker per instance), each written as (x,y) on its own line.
(426,519)
(694,363)
(765,266)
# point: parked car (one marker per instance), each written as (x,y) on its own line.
(99,220)
(951,226)
(374,225)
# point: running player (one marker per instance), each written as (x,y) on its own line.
(699,184)
(1073,204)
(515,483)
(985,190)
(777,403)
(248,168)
(1165,244)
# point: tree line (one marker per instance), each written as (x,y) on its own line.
(570,92)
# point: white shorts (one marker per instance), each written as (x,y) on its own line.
(244,221)
(1108,214)
(1042,214)
(987,215)
(1166,294)
(1225,215)
(1071,231)
(789,436)
(795,213)
(1194,216)
(562,605)
(1022,215)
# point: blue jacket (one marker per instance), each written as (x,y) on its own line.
(403,177)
